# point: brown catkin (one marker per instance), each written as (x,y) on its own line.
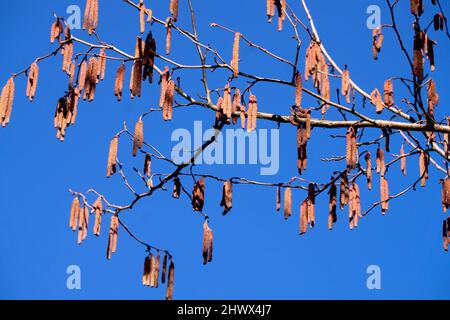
(149,57)
(152,271)
(433,97)
(6,102)
(198,195)
(403,160)
(270,7)
(388,93)
(98,207)
(176,188)
(345,86)
(118,85)
(445,194)
(381,165)
(91,79)
(227,104)
(136,72)
(351,152)
(377,42)
(138,137)
(278,201)
(423,166)
(112,239)
(384,191)
(168,101)
(236,105)
(164,269)
(170,280)
(112,156)
(235,59)
(168,35)
(74,213)
(368,170)
(164,81)
(332,217)
(311,201)
(173,7)
(102,64)
(445,230)
(418,59)
(375,99)
(146,273)
(148,165)
(207,243)
(33,75)
(303,217)
(156,272)
(82,76)
(252,113)
(344,191)
(142,11)
(227,196)
(298,89)
(287,205)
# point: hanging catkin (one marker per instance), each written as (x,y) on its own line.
(164,268)
(303,217)
(311,202)
(33,74)
(176,188)
(381,165)
(156,272)
(445,194)
(236,106)
(118,85)
(227,196)
(287,205)
(136,72)
(148,165)
(433,97)
(170,280)
(388,93)
(423,166)
(102,64)
(168,35)
(418,59)
(252,113)
(142,11)
(74,213)
(368,170)
(235,59)
(146,273)
(152,271)
(67,58)
(278,201)
(354,206)
(302,141)
(344,191)
(6,102)
(416,7)
(90,82)
(445,230)
(377,42)
(375,99)
(207,243)
(298,89)
(164,81)
(82,76)
(112,156)
(173,7)
(138,137)
(270,6)
(168,101)
(227,104)
(332,217)
(198,195)
(149,57)
(351,149)
(56,30)
(112,238)
(98,208)
(384,191)
(403,160)
(91,16)
(345,87)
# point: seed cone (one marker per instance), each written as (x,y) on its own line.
(138,138)
(235,59)
(332,216)
(74,213)
(112,157)
(287,203)
(170,280)
(98,207)
(198,195)
(369,170)
(227,196)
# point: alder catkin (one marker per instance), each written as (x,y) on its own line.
(344,191)
(252,113)
(142,11)
(164,81)
(298,89)
(156,273)
(198,195)
(168,101)
(433,97)
(74,213)
(377,42)
(368,170)
(207,243)
(287,206)
(384,191)
(332,217)
(136,72)
(270,7)
(345,86)
(445,230)
(33,75)
(164,268)
(176,188)
(146,273)
(278,201)
(173,7)
(168,35)
(351,151)
(303,217)
(445,194)
(112,156)
(235,59)
(98,207)
(6,102)
(403,160)
(388,93)
(112,237)
(227,196)
(138,137)
(170,280)
(236,105)
(118,85)
(227,104)
(311,202)
(375,99)
(423,166)
(381,166)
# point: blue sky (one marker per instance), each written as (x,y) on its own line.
(258,255)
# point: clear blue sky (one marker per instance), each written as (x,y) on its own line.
(258,255)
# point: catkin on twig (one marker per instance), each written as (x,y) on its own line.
(381,165)
(91,16)
(142,11)
(418,59)
(227,196)
(351,148)
(311,202)
(138,137)
(287,205)
(168,35)
(235,59)
(112,238)
(377,42)
(236,105)
(354,206)
(112,156)
(149,57)
(33,75)
(375,99)
(344,191)
(98,208)
(433,97)
(6,102)
(227,107)
(176,188)
(168,101)
(278,201)
(164,81)
(252,113)
(148,165)
(173,7)
(74,213)
(170,280)
(446,194)
(423,166)
(118,85)
(388,93)
(298,89)
(164,269)
(136,72)
(384,191)
(332,216)
(403,160)
(270,6)
(207,243)
(346,86)
(445,231)
(303,217)
(198,195)
(146,273)
(369,170)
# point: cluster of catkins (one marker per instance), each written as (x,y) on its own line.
(151,274)
(281,11)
